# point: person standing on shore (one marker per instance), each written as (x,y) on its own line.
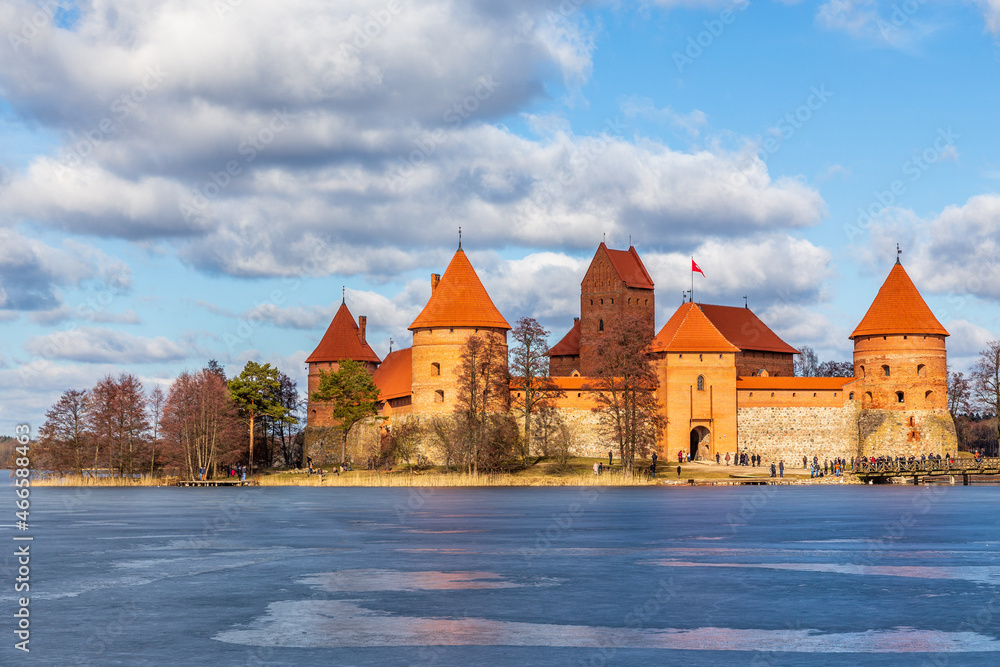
(781,468)
(654,463)
(609,458)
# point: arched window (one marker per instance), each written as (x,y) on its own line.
(602,302)
(600,325)
(439,396)
(435,368)
(921,370)
(861,369)
(868,398)
(929,396)
(885,371)
(701,383)
(851,396)
(899,397)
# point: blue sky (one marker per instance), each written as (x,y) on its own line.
(182,180)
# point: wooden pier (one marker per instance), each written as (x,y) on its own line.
(217,482)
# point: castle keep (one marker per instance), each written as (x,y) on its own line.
(726,381)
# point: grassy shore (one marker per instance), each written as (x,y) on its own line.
(541,472)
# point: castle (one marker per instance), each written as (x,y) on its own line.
(726,381)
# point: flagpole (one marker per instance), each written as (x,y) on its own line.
(692,280)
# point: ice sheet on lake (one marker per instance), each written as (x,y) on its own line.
(345,623)
(976,574)
(395,580)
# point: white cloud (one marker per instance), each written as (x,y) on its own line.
(692,122)
(277,137)
(955,253)
(991,13)
(99,345)
(32,272)
(773,269)
(967,339)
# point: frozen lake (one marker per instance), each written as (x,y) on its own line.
(566,576)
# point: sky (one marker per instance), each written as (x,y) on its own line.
(185,180)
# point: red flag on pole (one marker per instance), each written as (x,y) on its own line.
(695,267)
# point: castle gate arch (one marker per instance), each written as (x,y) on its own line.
(700,443)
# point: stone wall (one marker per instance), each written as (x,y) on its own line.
(789,433)
(913,433)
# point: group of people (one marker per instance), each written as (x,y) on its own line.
(238,471)
(741,459)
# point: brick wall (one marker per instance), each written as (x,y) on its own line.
(436,357)
(777,364)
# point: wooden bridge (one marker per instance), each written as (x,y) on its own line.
(881,471)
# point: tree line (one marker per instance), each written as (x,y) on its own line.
(117,428)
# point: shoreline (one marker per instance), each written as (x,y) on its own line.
(578,472)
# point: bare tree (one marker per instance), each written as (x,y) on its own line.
(625,385)
(483,391)
(806,362)
(529,370)
(200,421)
(157,399)
(843,369)
(960,405)
(118,419)
(63,438)
(986,382)
(404,440)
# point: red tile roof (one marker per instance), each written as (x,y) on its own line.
(394,378)
(744,329)
(689,330)
(796,383)
(898,308)
(570,343)
(342,341)
(629,267)
(460,300)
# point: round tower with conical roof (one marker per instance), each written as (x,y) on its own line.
(901,371)
(459,308)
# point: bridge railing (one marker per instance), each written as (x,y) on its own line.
(884,467)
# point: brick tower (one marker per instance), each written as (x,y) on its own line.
(344,339)
(900,366)
(459,307)
(615,281)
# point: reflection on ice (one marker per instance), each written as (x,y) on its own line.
(394,580)
(340,623)
(979,574)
